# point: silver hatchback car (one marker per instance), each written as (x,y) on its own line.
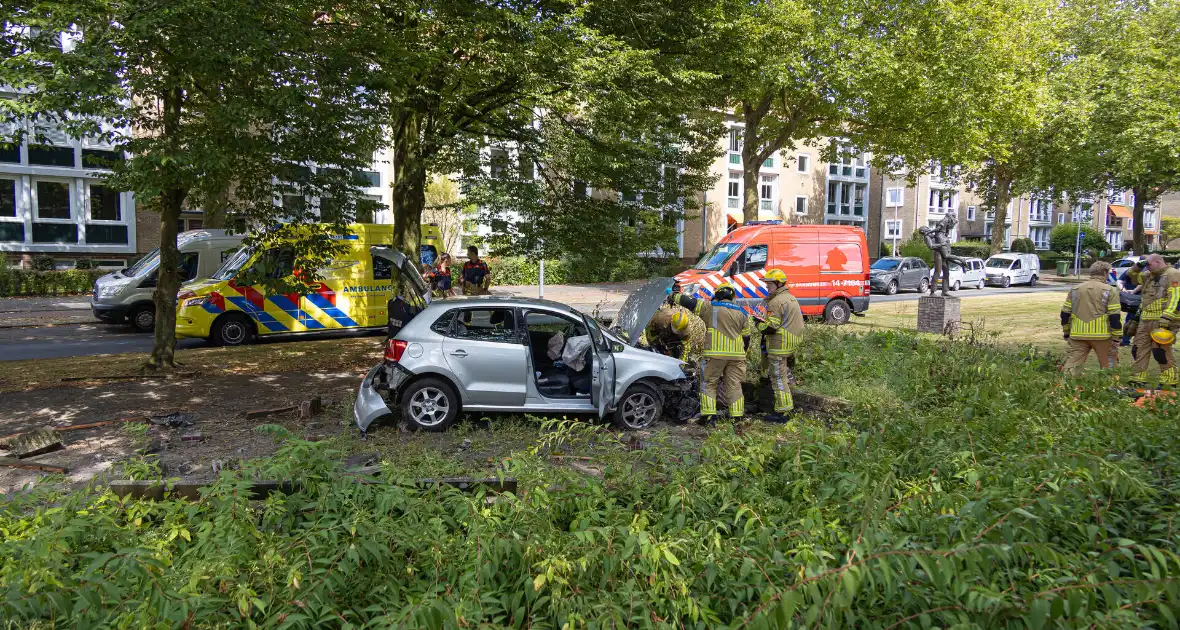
(507,354)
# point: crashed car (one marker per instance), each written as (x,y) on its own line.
(508,354)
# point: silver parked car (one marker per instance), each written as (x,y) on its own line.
(508,354)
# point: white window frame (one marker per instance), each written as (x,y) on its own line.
(34,198)
(1042,231)
(942,201)
(891,229)
(1060,218)
(734,182)
(89,208)
(805,201)
(1040,211)
(890,202)
(970,213)
(767,184)
(803,163)
(1118,198)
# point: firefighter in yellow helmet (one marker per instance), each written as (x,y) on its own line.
(1159,310)
(1091,320)
(782,332)
(724,365)
(667,332)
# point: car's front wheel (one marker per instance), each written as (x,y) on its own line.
(892,288)
(956,286)
(923,285)
(232,329)
(143,318)
(640,407)
(430,404)
(1007,282)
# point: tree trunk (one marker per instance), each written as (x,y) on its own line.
(750,198)
(167,283)
(409,186)
(1003,195)
(167,279)
(751,164)
(1139,242)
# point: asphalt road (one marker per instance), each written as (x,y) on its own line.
(72,340)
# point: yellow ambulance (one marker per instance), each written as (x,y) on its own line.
(353,292)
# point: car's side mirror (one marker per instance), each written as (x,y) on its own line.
(617,347)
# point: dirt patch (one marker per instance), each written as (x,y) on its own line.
(216,406)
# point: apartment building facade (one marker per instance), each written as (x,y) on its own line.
(796,187)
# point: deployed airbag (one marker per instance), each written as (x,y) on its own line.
(574,354)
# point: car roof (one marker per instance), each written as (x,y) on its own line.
(507,301)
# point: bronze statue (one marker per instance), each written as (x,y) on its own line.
(938,240)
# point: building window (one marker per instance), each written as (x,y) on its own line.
(104,204)
(8,198)
(1083,212)
(849,164)
(735,158)
(368,179)
(498,159)
(893,230)
(53,200)
(1148,219)
(1060,217)
(893,197)
(803,163)
(1117,197)
(735,140)
(970,213)
(766,194)
(769,163)
(1039,236)
(1040,211)
(942,201)
(800,204)
(734,191)
(1115,238)
(846,199)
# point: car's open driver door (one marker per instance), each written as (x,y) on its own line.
(602,386)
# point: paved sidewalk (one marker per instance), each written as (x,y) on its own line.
(21,312)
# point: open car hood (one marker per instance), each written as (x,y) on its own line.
(637,311)
(406,268)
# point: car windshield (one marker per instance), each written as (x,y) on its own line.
(232,264)
(146,265)
(886,264)
(716,258)
(999,263)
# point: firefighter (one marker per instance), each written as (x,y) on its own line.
(1161,300)
(724,364)
(476,277)
(667,332)
(1091,320)
(782,332)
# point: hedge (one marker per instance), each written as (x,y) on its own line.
(21,282)
(518,270)
(972,249)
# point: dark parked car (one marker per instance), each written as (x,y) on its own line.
(891,274)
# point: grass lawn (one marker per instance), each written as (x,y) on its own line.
(1030,318)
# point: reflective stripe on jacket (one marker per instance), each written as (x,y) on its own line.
(1161,295)
(784,323)
(1089,305)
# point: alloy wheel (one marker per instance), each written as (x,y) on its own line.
(429,406)
(639,410)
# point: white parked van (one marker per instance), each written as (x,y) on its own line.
(1008,269)
(968,275)
(125,296)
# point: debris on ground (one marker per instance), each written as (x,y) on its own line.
(361,460)
(263,413)
(32,443)
(173,420)
(310,408)
(13,462)
(192,436)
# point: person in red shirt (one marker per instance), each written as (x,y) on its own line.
(476,277)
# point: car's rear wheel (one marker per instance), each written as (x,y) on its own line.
(923,285)
(982,283)
(837,312)
(430,404)
(640,407)
(232,329)
(143,318)
(1033,281)
(892,288)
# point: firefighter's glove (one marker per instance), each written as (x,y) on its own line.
(1065,332)
(1169,322)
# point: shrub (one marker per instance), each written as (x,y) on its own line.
(916,246)
(43,262)
(972,249)
(85,263)
(1063,238)
(22,282)
(1023,246)
(519,270)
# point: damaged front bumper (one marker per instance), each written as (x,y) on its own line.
(381,383)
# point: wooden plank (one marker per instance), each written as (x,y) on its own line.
(91,425)
(262,413)
(12,462)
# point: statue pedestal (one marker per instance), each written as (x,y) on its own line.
(938,314)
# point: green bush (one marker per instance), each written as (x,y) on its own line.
(916,246)
(987,496)
(25,283)
(85,263)
(1023,246)
(972,249)
(43,262)
(518,270)
(1063,238)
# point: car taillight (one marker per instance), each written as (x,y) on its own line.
(394,349)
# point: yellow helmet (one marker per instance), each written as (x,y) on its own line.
(680,321)
(1163,336)
(724,291)
(775,275)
